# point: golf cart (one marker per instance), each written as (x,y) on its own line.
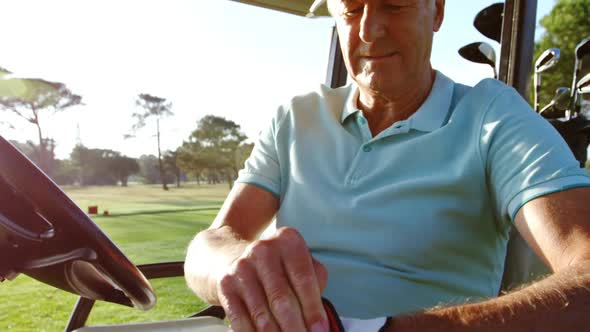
(45,235)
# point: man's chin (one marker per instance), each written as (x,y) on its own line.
(378,85)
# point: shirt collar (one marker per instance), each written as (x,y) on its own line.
(431,115)
(351,102)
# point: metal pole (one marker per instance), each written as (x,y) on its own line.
(516,62)
(337,74)
(518,40)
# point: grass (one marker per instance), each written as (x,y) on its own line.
(150,226)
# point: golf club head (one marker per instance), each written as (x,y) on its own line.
(583,85)
(558,105)
(583,48)
(489,21)
(547,60)
(479,52)
(561,99)
(487,50)
(550,112)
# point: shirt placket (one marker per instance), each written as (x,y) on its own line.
(363,160)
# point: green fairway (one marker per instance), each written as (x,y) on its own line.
(150,226)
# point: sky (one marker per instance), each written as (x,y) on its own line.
(205,57)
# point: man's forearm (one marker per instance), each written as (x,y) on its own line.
(209,254)
(560,302)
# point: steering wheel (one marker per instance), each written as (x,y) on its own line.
(45,235)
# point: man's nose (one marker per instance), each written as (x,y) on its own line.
(372,25)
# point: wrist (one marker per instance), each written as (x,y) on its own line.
(428,321)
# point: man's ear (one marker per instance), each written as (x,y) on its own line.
(439,15)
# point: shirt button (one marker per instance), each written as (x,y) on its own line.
(367,148)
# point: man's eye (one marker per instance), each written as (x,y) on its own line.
(392,7)
(353,11)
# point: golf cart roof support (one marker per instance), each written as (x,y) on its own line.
(516,62)
(80,314)
(337,73)
(518,38)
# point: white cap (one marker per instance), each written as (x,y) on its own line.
(316,4)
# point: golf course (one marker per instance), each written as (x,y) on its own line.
(150,226)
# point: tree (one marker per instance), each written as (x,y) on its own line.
(123,167)
(65,173)
(81,161)
(31,151)
(243,153)
(215,144)
(154,107)
(565,26)
(102,166)
(29,99)
(148,169)
(171,165)
(24,148)
(4,72)
(189,158)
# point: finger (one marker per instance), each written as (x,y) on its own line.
(281,299)
(254,297)
(321,274)
(304,281)
(236,312)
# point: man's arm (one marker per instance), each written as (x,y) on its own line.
(557,227)
(263,285)
(246,212)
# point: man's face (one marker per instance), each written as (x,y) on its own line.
(387,43)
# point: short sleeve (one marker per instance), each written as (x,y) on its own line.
(262,168)
(524,156)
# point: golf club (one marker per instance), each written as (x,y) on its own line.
(546,60)
(489,21)
(582,49)
(583,85)
(314,6)
(480,52)
(558,104)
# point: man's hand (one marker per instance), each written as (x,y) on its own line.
(263,285)
(275,285)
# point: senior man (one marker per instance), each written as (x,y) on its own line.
(394,196)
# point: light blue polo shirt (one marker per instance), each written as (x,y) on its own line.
(419,215)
